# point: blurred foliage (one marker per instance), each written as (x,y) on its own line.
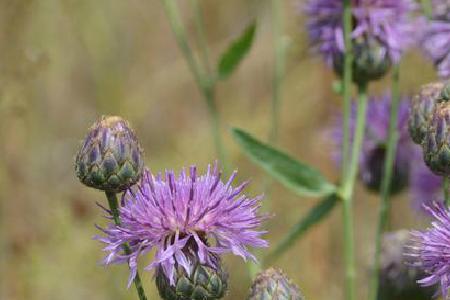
(64,63)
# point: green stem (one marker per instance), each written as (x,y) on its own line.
(277,19)
(427,8)
(204,81)
(114,207)
(348,170)
(201,36)
(383,213)
(346,193)
(215,128)
(446,191)
(347,85)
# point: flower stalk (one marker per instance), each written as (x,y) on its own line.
(383,212)
(114,207)
(202,74)
(278,75)
(348,179)
(346,193)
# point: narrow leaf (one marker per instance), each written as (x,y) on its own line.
(317,214)
(297,176)
(236,52)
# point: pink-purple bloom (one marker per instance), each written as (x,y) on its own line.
(184,218)
(430,249)
(387,21)
(436,40)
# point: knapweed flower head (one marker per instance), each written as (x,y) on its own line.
(273,284)
(110,157)
(436,144)
(382,31)
(373,153)
(429,249)
(187,219)
(436,39)
(397,277)
(421,110)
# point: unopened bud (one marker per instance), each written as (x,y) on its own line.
(272,284)
(370,61)
(204,283)
(436,145)
(398,278)
(110,157)
(422,107)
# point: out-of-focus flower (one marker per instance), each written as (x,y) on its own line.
(110,157)
(430,249)
(398,279)
(374,145)
(272,284)
(189,219)
(425,187)
(382,31)
(422,106)
(436,40)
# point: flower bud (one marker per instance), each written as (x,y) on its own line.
(204,283)
(397,277)
(422,106)
(372,171)
(110,157)
(436,145)
(272,284)
(370,61)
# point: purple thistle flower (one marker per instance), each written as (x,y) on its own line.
(430,249)
(436,40)
(186,218)
(374,145)
(386,21)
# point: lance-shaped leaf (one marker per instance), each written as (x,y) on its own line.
(297,176)
(317,214)
(231,58)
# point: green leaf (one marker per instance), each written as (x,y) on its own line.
(315,215)
(236,52)
(297,176)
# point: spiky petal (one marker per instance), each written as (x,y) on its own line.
(430,249)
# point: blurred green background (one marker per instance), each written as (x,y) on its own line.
(64,63)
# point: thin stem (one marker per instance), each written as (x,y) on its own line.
(446,191)
(427,8)
(201,36)
(347,85)
(280,57)
(171,10)
(114,207)
(346,193)
(215,128)
(347,171)
(383,213)
(204,81)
